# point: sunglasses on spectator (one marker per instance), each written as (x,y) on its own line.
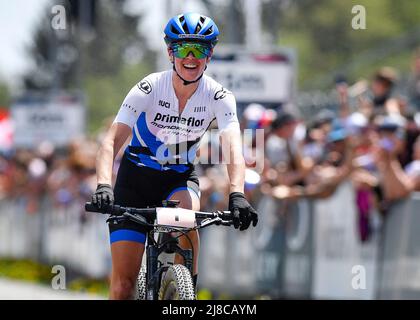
(199,50)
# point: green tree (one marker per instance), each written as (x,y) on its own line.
(4,95)
(102,59)
(326,43)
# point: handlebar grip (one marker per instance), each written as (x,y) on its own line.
(92,208)
(114,209)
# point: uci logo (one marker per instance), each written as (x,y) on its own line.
(220,94)
(145,86)
(165,104)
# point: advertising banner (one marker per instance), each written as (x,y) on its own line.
(57,120)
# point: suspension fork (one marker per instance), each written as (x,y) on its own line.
(153,251)
(187,254)
(152,283)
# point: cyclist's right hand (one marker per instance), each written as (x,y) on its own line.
(243,212)
(104,195)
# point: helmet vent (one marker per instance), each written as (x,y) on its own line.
(202,19)
(209,31)
(197,28)
(181,19)
(174,30)
(185,28)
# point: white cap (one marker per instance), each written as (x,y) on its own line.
(254,112)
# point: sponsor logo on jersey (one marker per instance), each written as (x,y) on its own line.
(165,104)
(145,86)
(200,109)
(191,121)
(221,94)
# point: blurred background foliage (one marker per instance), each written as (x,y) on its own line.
(326,44)
(4,95)
(31,271)
(105,58)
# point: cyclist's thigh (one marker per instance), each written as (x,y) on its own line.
(188,194)
(126,259)
(188,199)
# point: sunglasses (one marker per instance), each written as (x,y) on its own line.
(199,50)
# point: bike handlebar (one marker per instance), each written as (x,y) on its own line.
(218,217)
(117,210)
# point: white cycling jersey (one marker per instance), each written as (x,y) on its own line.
(162,138)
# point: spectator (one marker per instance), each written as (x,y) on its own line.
(381,100)
(412,170)
(414,81)
(282,149)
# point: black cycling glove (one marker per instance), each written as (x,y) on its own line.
(104,195)
(243,212)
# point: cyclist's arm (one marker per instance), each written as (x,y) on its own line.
(111,145)
(230,135)
(236,164)
(133,105)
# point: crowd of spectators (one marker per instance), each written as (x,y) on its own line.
(371,138)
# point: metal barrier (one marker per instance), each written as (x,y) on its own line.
(303,249)
(65,236)
(338,250)
(399,274)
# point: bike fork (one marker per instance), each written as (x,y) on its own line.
(152,284)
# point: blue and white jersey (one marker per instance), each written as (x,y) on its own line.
(164,139)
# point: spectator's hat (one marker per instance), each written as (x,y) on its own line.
(356,122)
(386,74)
(324,116)
(337,133)
(257,116)
(253,112)
(391,122)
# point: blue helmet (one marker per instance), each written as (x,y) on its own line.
(191,26)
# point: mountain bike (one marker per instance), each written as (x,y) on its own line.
(158,280)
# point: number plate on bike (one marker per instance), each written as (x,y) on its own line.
(176,217)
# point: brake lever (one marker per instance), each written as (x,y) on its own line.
(136,218)
(226,223)
(220,221)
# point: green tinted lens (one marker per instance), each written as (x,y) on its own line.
(182,50)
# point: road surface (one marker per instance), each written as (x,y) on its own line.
(19,290)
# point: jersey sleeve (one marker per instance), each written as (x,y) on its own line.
(136,101)
(224,108)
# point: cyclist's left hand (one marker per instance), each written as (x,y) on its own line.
(243,212)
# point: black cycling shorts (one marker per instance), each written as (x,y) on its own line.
(143,187)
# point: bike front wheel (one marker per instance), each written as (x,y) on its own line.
(141,284)
(177,284)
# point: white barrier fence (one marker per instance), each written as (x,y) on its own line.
(305,249)
(338,252)
(57,236)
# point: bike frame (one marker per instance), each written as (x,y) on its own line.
(154,249)
(154,272)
